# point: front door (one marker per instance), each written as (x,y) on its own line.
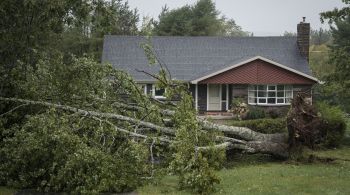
(214,97)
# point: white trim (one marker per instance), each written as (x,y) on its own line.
(196,97)
(145,89)
(220,89)
(153,90)
(267,92)
(250,60)
(154,93)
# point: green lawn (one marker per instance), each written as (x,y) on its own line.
(274,178)
(258,174)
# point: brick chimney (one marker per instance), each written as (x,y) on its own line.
(303,38)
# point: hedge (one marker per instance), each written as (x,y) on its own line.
(266,125)
(333,124)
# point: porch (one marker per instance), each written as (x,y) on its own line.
(216,99)
(218,115)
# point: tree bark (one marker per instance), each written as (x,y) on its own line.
(244,139)
(94,113)
(243,132)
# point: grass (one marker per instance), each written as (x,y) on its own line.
(6,191)
(273,178)
(258,174)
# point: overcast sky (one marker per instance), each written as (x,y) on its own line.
(262,17)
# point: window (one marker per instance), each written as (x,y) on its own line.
(270,94)
(159,93)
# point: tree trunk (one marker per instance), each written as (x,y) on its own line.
(238,138)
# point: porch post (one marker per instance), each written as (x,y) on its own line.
(153,90)
(196,97)
(227,102)
(207,97)
(220,89)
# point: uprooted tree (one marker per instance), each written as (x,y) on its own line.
(86,127)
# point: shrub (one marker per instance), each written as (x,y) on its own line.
(333,124)
(273,113)
(277,112)
(255,113)
(52,153)
(90,170)
(267,125)
(201,179)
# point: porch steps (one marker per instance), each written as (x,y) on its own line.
(217,115)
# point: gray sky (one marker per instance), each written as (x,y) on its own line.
(262,17)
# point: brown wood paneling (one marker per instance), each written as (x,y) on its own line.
(258,72)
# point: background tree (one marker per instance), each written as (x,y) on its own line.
(336,14)
(319,61)
(89,23)
(33,29)
(177,22)
(320,36)
(320,41)
(289,34)
(201,19)
(205,19)
(29,29)
(147,26)
(338,83)
(230,28)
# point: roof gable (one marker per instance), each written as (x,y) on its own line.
(189,58)
(257,71)
(245,62)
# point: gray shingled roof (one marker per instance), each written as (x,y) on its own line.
(189,58)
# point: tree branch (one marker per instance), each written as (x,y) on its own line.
(15,108)
(243,132)
(93,113)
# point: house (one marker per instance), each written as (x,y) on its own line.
(263,71)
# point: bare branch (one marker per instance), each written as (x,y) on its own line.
(161,63)
(15,108)
(153,76)
(94,113)
(136,134)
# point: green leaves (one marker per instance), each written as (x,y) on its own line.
(194,168)
(201,19)
(54,150)
(49,152)
(337,83)
(147,47)
(336,14)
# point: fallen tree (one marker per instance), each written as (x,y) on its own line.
(249,141)
(112,118)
